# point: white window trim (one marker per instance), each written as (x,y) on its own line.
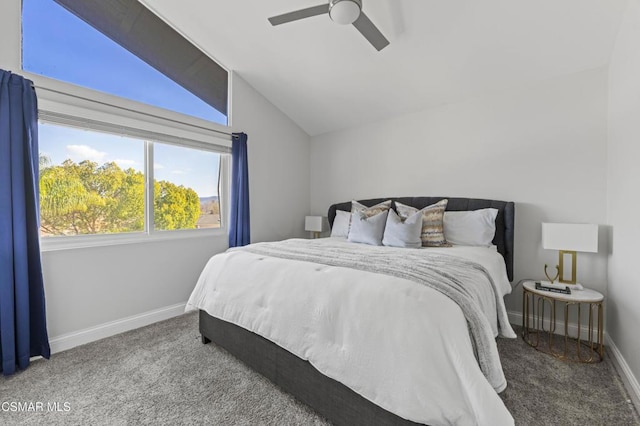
(103,240)
(149,234)
(76,101)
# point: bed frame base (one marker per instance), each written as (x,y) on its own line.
(331,399)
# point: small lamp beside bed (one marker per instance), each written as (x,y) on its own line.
(316,225)
(568,238)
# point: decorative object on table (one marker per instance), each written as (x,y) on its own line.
(555,277)
(316,224)
(550,286)
(568,238)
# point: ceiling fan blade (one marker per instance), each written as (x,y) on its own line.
(370,32)
(299,14)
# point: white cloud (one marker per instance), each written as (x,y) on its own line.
(84,152)
(125,163)
(158,166)
(179,172)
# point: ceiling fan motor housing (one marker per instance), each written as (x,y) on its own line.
(344,12)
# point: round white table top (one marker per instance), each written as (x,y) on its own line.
(583,296)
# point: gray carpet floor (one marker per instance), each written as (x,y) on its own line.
(155,375)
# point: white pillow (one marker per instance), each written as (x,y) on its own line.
(341,224)
(403,234)
(470,228)
(367,229)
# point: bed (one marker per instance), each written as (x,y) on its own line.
(349,351)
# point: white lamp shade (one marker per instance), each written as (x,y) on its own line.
(570,237)
(315,223)
(344,12)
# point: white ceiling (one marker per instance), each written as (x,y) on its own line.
(327,77)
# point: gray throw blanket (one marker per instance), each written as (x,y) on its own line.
(455,277)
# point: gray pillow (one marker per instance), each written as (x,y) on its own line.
(367,230)
(403,234)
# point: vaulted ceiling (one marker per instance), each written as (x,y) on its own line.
(327,77)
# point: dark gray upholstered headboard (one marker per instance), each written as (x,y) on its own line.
(504,222)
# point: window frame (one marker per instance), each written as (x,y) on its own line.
(57,97)
(76,106)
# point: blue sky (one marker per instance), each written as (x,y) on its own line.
(61,46)
(189,167)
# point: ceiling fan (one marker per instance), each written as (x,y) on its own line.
(341,12)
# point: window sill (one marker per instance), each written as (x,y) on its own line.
(86,241)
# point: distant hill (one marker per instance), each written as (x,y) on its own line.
(204,200)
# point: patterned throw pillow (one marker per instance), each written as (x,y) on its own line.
(432,222)
(356,207)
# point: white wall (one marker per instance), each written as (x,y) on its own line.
(623,306)
(10,34)
(278,165)
(542,146)
(89,287)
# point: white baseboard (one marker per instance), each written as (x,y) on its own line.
(87,335)
(628,378)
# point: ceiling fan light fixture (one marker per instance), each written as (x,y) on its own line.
(344,12)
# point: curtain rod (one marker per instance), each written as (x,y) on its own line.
(137,112)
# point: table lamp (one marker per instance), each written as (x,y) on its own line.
(569,238)
(315,224)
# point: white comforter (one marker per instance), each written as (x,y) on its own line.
(403,346)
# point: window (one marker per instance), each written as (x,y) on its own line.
(57,44)
(185,188)
(125,151)
(90,183)
(96,183)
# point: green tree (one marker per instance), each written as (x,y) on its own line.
(176,207)
(43,161)
(84,198)
(62,197)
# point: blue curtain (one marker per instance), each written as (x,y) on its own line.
(23,330)
(239,229)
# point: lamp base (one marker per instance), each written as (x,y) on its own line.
(563,279)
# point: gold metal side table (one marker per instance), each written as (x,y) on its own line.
(539,323)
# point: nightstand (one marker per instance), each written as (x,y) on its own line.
(539,320)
